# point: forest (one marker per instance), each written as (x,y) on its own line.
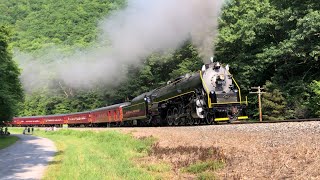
(269,43)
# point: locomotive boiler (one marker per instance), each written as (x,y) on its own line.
(208,96)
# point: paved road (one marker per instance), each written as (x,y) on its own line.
(27,158)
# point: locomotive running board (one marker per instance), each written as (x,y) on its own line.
(243,117)
(227,119)
(221,119)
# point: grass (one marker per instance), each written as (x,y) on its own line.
(96,155)
(6,141)
(205,170)
(15,130)
(158,169)
(203,166)
(161,167)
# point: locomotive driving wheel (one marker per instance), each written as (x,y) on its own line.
(175,114)
(190,121)
(209,118)
(169,117)
(197,121)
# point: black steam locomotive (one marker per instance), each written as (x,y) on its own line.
(209,96)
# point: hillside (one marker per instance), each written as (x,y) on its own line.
(39,23)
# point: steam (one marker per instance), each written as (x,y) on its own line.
(133,33)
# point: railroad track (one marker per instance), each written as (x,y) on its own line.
(219,124)
(223,123)
(278,121)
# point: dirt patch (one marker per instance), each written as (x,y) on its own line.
(183,156)
(169,162)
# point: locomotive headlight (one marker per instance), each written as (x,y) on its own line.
(203,68)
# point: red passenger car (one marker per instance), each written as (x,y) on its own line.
(78,119)
(52,120)
(109,114)
(28,121)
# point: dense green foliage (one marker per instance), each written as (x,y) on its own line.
(314,102)
(274,104)
(43,103)
(276,41)
(263,41)
(43,23)
(10,89)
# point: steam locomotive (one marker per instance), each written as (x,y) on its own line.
(208,96)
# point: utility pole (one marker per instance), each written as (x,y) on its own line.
(259,92)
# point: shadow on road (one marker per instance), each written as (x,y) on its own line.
(27,158)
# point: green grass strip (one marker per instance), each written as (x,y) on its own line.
(15,130)
(6,141)
(204,166)
(96,155)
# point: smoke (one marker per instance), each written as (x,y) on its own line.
(133,33)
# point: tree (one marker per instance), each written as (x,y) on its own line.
(10,90)
(275,41)
(314,103)
(274,104)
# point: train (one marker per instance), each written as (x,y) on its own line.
(208,96)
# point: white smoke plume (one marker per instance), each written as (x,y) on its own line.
(143,27)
